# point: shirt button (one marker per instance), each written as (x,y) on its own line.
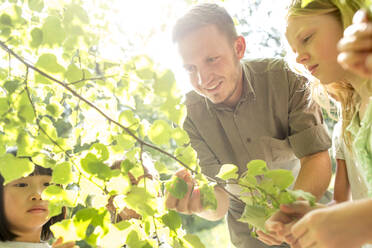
(249,140)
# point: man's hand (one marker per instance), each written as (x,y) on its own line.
(356,46)
(279,225)
(192,204)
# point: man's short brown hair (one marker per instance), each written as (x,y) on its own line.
(202,15)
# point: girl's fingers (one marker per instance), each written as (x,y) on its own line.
(359,30)
(350,44)
(267,238)
(359,63)
(58,242)
(360,16)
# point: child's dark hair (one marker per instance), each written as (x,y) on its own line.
(5,233)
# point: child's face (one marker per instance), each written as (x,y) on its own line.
(314,41)
(24,208)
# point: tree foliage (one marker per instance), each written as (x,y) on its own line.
(70,109)
(67,107)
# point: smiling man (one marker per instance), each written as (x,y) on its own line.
(244,110)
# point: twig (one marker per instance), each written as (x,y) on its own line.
(90,79)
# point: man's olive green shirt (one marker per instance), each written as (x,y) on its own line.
(275,120)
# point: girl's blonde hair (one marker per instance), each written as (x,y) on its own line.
(343,92)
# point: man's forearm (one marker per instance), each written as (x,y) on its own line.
(315,174)
(222,206)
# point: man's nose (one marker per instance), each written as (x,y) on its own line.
(204,77)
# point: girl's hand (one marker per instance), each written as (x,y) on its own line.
(356,46)
(279,225)
(345,225)
(59,244)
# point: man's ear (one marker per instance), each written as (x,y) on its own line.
(239,46)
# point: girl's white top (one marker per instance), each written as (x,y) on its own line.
(15,244)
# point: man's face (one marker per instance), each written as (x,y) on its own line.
(212,62)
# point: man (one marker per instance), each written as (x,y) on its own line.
(241,111)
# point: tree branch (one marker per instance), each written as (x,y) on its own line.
(127,130)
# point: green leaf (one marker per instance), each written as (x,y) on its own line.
(256,216)
(193,240)
(100,150)
(41,79)
(47,125)
(54,109)
(228,171)
(122,225)
(127,118)
(82,220)
(160,132)
(172,220)
(37,37)
(119,185)
(145,73)
(65,229)
(281,178)
(75,10)
(124,142)
(208,198)
(96,167)
(300,194)
(134,240)
(127,165)
(256,167)
(25,110)
(43,160)
(248,180)
(58,198)
(5,32)
(187,155)
(141,201)
(11,86)
(25,144)
(4,105)
(304,3)
(161,167)
(6,20)
(268,185)
(62,173)
(36,5)
(180,136)
(48,63)
(164,83)
(53,31)
(177,187)
(73,73)
(286,198)
(12,168)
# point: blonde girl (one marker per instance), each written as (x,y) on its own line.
(313,33)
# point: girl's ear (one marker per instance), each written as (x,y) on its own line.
(239,47)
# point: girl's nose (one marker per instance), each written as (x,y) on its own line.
(302,58)
(36,193)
